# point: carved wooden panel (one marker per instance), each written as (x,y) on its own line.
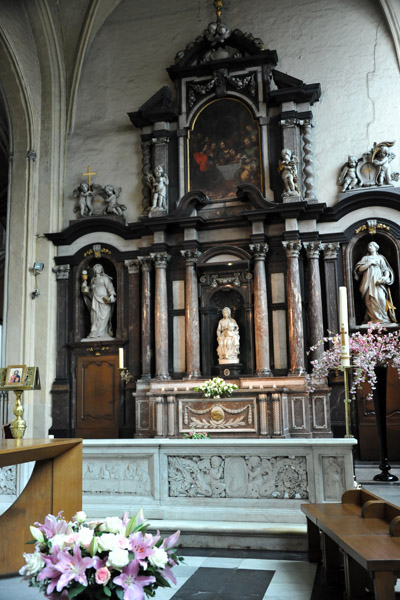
(97,399)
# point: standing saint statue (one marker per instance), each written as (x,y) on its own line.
(100,298)
(376,275)
(228,338)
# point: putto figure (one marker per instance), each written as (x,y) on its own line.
(100,299)
(288,170)
(382,158)
(112,206)
(228,338)
(85,196)
(376,276)
(348,176)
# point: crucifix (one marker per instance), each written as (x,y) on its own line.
(89,175)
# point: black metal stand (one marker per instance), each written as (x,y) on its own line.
(380,414)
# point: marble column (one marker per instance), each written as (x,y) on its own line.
(331,284)
(261,328)
(192,326)
(308,160)
(146,323)
(133,267)
(315,297)
(295,312)
(161,315)
(63,326)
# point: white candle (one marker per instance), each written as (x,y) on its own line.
(121,358)
(344,328)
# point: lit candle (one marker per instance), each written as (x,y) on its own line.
(121,358)
(344,328)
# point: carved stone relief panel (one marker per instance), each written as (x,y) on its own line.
(222,415)
(220,476)
(333,477)
(8,480)
(118,476)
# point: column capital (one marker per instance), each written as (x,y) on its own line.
(190,256)
(259,251)
(145,262)
(331,250)
(132,266)
(160,259)
(313,249)
(292,248)
(62,271)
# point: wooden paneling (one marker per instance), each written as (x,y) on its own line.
(55,485)
(97,396)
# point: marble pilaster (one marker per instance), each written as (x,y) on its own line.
(261,328)
(331,284)
(295,312)
(192,326)
(313,250)
(159,402)
(133,267)
(161,315)
(263,404)
(146,322)
(63,327)
(276,415)
(171,410)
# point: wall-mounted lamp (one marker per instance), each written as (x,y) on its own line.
(37,268)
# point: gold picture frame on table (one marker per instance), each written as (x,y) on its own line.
(15,376)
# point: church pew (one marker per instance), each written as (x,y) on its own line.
(362,534)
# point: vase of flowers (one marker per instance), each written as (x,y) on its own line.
(112,559)
(216,388)
(371,353)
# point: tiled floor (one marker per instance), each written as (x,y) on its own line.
(219,575)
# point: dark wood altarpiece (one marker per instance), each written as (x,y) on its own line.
(226,235)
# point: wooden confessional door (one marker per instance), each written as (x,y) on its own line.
(97,398)
(367,433)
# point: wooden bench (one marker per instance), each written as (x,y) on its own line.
(360,535)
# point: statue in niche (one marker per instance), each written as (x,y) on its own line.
(85,196)
(348,176)
(376,276)
(112,206)
(159,188)
(382,158)
(288,170)
(100,299)
(228,338)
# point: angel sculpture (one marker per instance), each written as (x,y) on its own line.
(287,167)
(348,177)
(112,206)
(159,187)
(381,158)
(85,196)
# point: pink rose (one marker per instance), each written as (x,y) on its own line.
(103,576)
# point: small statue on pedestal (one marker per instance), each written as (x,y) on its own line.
(85,196)
(228,338)
(112,206)
(288,170)
(382,158)
(348,176)
(159,188)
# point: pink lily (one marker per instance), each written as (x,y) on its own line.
(132,584)
(142,546)
(72,567)
(171,541)
(53,525)
(50,571)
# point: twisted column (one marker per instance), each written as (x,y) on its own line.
(308,160)
(261,328)
(295,313)
(315,295)
(147,350)
(161,314)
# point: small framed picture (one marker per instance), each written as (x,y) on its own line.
(15,375)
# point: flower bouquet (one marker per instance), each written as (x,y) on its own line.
(99,560)
(375,348)
(196,435)
(216,388)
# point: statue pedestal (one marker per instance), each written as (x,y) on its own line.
(230,369)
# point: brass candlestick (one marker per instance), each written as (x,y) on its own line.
(18,425)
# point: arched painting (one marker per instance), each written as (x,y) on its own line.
(224,149)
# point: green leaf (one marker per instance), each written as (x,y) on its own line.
(76,590)
(107,591)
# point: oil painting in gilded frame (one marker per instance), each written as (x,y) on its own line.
(224,149)
(15,375)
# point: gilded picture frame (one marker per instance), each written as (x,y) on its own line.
(15,376)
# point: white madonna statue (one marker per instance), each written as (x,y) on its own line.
(100,299)
(228,338)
